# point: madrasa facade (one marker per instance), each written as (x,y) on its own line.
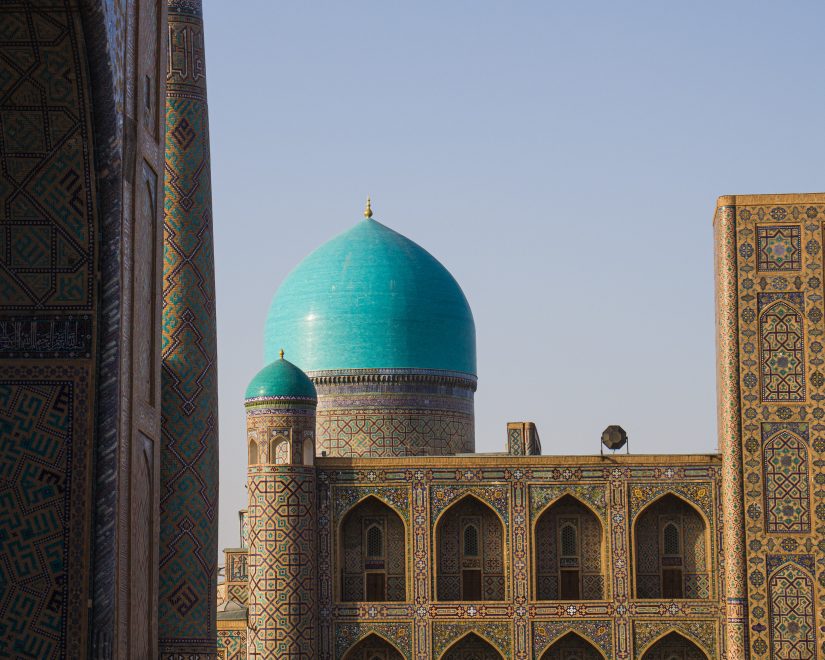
(374,531)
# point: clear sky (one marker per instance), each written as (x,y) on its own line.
(561,159)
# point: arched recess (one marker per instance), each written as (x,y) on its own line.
(781,352)
(787,487)
(279,450)
(253,452)
(308,448)
(373,647)
(672,550)
(792,607)
(467,571)
(569,546)
(472,647)
(572,646)
(673,646)
(372,553)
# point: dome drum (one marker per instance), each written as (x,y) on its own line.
(394,414)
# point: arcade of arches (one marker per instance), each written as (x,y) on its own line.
(569,553)
(373,557)
(470,553)
(671,551)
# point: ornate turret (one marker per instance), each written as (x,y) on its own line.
(280,436)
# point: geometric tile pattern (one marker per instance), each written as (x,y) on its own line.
(779,248)
(459,640)
(771,380)
(572,647)
(394,413)
(595,634)
(47,233)
(232,643)
(791,606)
(354,639)
(781,343)
(787,490)
(49,255)
(44,544)
(189,425)
(281,562)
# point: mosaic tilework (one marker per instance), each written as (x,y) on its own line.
(730,432)
(394,413)
(282,569)
(781,341)
(48,256)
(791,607)
(351,639)
(45,460)
(598,634)
(232,642)
(458,640)
(779,248)
(572,647)
(798,296)
(655,639)
(787,486)
(48,229)
(189,458)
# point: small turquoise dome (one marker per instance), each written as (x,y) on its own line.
(281,378)
(371,298)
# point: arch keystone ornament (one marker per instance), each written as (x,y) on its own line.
(189,395)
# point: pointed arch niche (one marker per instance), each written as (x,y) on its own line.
(373,647)
(572,647)
(469,552)
(674,646)
(671,547)
(472,647)
(569,546)
(372,553)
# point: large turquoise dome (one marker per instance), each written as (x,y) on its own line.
(371,298)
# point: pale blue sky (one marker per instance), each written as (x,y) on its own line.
(562,159)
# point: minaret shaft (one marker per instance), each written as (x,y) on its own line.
(189,458)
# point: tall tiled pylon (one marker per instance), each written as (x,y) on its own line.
(189,458)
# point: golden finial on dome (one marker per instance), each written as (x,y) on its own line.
(368,209)
(282,354)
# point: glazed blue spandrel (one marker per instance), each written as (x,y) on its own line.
(371,298)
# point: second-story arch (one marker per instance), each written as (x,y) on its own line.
(469,541)
(569,549)
(372,553)
(672,550)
